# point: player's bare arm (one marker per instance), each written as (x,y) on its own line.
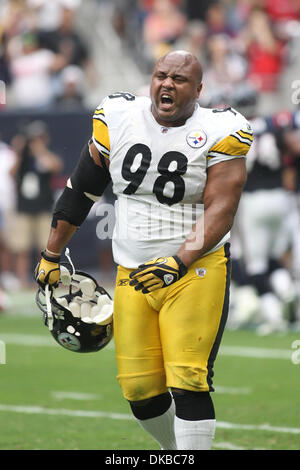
(64,230)
(225,182)
(84,188)
(223,190)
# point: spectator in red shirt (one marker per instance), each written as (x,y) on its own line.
(285,16)
(265,53)
(283,10)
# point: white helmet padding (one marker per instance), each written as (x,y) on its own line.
(78,313)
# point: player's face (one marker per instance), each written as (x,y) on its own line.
(174,89)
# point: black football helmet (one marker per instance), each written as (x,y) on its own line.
(78,313)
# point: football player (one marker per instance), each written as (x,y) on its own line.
(178,171)
(263,223)
(291,144)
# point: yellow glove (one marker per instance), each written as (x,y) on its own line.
(158,273)
(47,270)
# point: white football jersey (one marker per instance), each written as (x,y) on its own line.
(159,173)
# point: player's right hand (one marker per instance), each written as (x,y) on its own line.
(47,270)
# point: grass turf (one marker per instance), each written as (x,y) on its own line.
(259,391)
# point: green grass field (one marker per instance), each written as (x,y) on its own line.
(51,398)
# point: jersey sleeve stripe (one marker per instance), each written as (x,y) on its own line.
(97,118)
(99,111)
(241,139)
(231,146)
(100,148)
(244,138)
(101,136)
(220,154)
(247,135)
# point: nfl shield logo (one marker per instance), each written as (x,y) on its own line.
(200,272)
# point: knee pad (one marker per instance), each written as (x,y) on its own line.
(193,406)
(151,407)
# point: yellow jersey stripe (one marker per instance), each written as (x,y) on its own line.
(246,135)
(231,146)
(101,134)
(101,149)
(99,111)
(100,119)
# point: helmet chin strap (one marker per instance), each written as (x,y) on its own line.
(67,254)
(48,305)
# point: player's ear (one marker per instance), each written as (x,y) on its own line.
(199,88)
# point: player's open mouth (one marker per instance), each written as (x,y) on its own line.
(166,102)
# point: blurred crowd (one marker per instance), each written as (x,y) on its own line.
(45,63)
(27,168)
(239,42)
(246,47)
(44,60)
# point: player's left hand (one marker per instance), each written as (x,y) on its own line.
(47,270)
(157,273)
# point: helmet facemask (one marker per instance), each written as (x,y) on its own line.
(79,312)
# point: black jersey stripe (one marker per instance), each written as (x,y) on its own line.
(223,320)
(97,118)
(101,145)
(243,141)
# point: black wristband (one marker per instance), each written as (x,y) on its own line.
(51,259)
(182,267)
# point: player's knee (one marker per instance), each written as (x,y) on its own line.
(193,406)
(151,407)
(139,387)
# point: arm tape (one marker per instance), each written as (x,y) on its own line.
(88,182)
(72,207)
(89,177)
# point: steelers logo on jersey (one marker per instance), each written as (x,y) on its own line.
(196,138)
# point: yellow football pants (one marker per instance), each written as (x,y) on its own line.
(170,337)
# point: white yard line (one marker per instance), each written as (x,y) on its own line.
(230,446)
(227,446)
(40,410)
(27,340)
(263,353)
(123,416)
(33,340)
(64,395)
(239,351)
(232,390)
(257,427)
